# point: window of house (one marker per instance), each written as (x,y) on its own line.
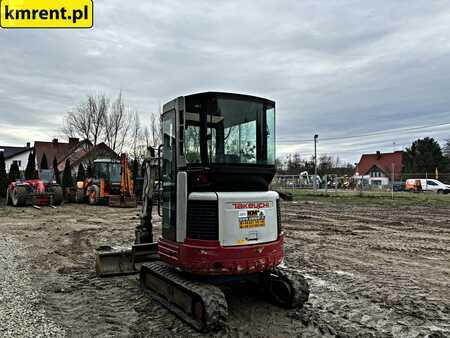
(18,162)
(375,173)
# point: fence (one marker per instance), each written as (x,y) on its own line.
(334,183)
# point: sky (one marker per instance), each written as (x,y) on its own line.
(363,75)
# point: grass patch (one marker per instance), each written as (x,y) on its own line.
(372,197)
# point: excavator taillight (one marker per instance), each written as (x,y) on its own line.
(203,179)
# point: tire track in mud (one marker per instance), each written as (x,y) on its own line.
(92,306)
(383,290)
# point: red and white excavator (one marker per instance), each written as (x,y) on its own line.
(221,223)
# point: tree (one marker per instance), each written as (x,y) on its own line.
(152,132)
(67,180)
(88,121)
(446,149)
(117,125)
(98,121)
(81,175)
(30,170)
(3,176)
(14,172)
(424,156)
(44,163)
(136,133)
(56,170)
(325,165)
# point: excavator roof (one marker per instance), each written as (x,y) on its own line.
(236,95)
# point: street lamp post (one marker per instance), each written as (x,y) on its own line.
(315,161)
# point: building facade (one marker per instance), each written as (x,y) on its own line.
(380,169)
(16,154)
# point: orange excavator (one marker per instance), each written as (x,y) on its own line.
(112,184)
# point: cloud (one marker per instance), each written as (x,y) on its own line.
(334,68)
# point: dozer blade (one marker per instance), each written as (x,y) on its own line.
(123,261)
(117,201)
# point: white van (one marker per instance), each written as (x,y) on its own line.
(421,184)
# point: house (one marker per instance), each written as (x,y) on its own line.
(379,168)
(86,153)
(16,154)
(53,149)
(75,150)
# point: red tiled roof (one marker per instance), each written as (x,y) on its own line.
(383,161)
(51,149)
(83,150)
(75,153)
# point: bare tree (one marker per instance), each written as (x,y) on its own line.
(117,125)
(155,130)
(99,109)
(136,136)
(78,123)
(87,122)
(146,135)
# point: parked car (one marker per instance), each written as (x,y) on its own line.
(421,184)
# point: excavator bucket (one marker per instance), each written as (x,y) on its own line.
(111,261)
(117,201)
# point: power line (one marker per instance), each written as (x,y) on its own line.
(381,132)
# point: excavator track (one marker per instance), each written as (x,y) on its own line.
(201,305)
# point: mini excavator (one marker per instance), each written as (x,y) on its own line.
(221,224)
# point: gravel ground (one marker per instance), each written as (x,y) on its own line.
(22,313)
(376,268)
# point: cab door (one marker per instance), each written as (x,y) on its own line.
(169,176)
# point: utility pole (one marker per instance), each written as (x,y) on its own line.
(315,161)
(393,178)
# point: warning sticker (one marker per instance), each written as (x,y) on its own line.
(252,219)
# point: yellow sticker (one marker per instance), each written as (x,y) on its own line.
(241,241)
(252,223)
(46,13)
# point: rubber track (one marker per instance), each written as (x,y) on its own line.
(298,283)
(216,308)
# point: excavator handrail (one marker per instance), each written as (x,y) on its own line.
(160,180)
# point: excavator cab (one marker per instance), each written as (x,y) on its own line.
(107,176)
(109,171)
(218,159)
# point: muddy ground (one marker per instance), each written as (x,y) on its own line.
(377,268)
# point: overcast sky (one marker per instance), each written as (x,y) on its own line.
(335,68)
